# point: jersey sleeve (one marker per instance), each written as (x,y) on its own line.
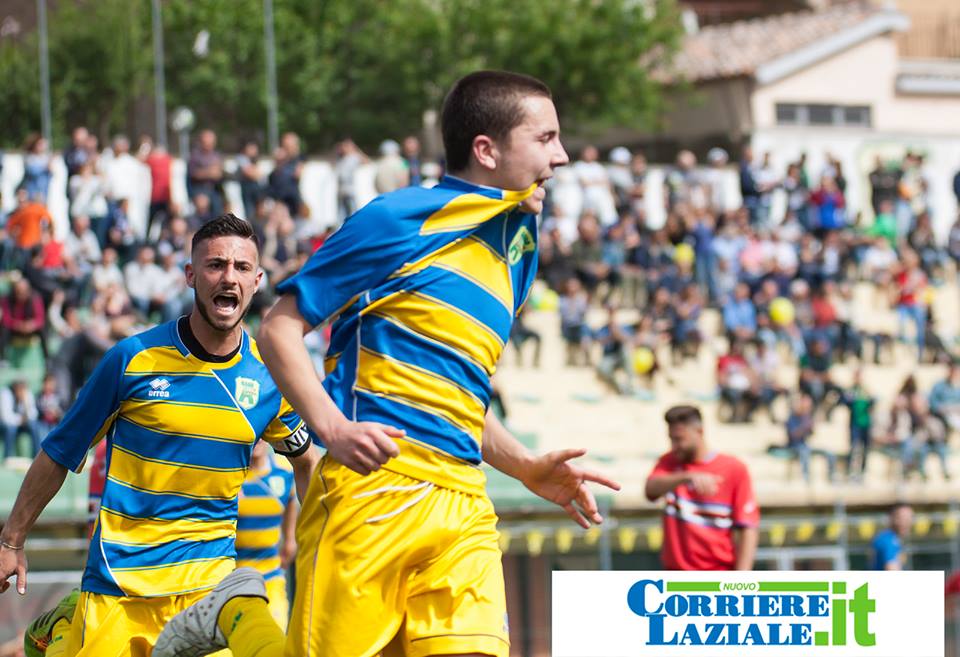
(92,414)
(886,550)
(745,511)
(287,433)
(664,466)
(370,246)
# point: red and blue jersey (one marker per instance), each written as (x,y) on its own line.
(698,529)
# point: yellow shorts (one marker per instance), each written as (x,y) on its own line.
(391,564)
(279,605)
(111,626)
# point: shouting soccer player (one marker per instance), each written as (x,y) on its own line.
(180,406)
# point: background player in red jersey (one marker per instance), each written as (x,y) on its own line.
(711,517)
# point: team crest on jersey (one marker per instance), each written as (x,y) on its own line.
(247,392)
(277,485)
(522,243)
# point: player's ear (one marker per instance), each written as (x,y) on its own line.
(190,274)
(484,151)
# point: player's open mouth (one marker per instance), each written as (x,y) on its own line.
(226,302)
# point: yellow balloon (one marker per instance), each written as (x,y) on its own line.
(782,311)
(683,254)
(643,360)
(549,300)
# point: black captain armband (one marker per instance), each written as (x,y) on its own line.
(293,445)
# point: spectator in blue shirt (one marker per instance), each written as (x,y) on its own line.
(887,546)
(739,314)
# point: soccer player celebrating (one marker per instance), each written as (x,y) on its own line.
(711,518)
(397,538)
(180,406)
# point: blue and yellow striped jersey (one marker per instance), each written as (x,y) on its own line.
(263,499)
(179,432)
(425,285)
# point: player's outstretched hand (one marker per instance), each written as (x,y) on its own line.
(13,562)
(363,446)
(553,477)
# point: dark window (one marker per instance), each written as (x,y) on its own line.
(820,114)
(788,114)
(856,115)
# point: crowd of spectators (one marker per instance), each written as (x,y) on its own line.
(781,283)
(119,267)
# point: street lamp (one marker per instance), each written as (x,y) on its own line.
(182,122)
(160,91)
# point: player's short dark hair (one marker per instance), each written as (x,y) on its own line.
(223,226)
(484,103)
(683,414)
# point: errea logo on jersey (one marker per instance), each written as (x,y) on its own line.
(158,388)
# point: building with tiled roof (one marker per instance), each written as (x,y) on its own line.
(828,81)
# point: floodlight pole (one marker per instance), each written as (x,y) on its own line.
(45,120)
(159,83)
(273,136)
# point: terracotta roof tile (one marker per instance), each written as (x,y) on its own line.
(738,49)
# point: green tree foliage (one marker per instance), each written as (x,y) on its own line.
(361,68)
(100,61)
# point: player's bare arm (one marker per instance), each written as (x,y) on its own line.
(361,446)
(703,483)
(745,540)
(551,476)
(303,467)
(43,480)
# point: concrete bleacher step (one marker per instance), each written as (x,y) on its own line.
(569,407)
